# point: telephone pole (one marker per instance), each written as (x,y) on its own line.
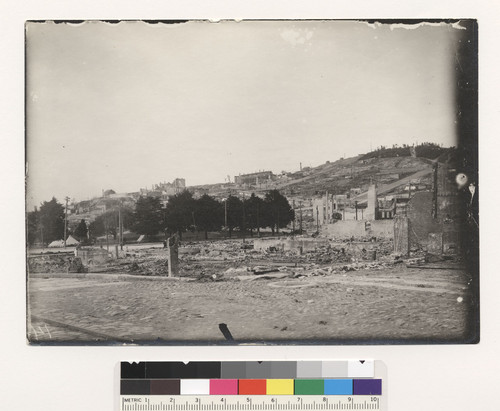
(300,210)
(65,220)
(120,225)
(317,219)
(244,222)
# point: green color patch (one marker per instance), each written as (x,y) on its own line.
(309,387)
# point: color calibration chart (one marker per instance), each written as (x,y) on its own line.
(253,385)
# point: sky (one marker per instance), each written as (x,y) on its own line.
(124,106)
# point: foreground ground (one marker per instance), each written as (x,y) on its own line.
(384,303)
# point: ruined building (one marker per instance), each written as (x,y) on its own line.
(254,179)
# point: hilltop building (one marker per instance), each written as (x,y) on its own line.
(254,179)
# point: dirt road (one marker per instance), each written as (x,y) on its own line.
(392,304)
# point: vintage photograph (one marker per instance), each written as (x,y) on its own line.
(255,181)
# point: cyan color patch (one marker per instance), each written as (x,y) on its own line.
(338,387)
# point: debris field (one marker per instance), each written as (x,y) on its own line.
(355,290)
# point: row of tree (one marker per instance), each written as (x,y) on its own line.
(424,150)
(183,213)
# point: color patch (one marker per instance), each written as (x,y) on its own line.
(195,387)
(334,369)
(283,369)
(223,387)
(309,387)
(233,369)
(135,370)
(338,387)
(279,387)
(252,387)
(180,370)
(134,387)
(165,387)
(256,369)
(360,369)
(367,387)
(208,369)
(308,369)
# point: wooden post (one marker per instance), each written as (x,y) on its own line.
(173,255)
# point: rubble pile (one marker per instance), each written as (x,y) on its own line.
(215,251)
(48,263)
(235,260)
(154,265)
(75,265)
(315,270)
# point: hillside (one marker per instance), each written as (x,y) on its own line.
(391,169)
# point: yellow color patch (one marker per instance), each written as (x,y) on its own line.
(279,387)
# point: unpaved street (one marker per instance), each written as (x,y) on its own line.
(392,304)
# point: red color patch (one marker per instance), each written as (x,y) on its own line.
(252,387)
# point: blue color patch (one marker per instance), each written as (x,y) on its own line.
(338,387)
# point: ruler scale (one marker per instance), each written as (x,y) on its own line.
(233,403)
(253,386)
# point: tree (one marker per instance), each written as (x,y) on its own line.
(104,224)
(208,214)
(97,227)
(278,212)
(179,212)
(52,220)
(254,209)
(234,209)
(148,216)
(33,226)
(81,231)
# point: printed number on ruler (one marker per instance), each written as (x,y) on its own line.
(248,403)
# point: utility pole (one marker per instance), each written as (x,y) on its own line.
(300,211)
(120,225)
(317,219)
(327,212)
(244,222)
(293,225)
(65,220)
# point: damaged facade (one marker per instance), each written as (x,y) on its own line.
(432,214)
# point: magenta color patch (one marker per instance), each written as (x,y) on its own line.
(223,387)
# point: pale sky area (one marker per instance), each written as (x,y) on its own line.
(127,105)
